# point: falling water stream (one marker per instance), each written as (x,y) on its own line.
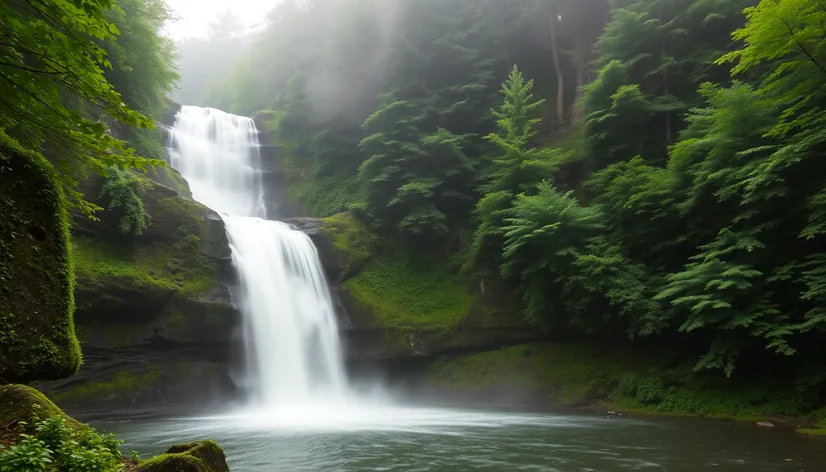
(303,415)
(290,331)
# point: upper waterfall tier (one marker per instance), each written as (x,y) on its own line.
(218,154)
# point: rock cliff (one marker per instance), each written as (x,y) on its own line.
(398,306)
(154,313)
(37,339)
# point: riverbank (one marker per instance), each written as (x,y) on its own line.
(639,380)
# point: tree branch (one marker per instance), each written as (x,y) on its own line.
(801,46)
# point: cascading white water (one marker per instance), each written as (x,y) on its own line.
(290,329)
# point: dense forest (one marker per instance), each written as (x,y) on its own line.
(649,167)
(643,169)
(83,83)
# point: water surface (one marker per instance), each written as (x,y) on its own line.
(425,439)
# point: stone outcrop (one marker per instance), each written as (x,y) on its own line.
(201,456)
(482,319)
(37,338)
(154,313)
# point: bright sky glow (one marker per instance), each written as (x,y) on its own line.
(196,15)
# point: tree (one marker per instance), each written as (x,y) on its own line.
(652,57)
(225,26)
(124,190)
(418,171)
(517,168)
(143,69)
(53,87)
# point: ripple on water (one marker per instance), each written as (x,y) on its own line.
(388,439)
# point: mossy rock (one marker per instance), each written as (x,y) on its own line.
(345,245)
(201,456)
(173,217)
(37,338)
(19,405)
(169,177)
(402,291)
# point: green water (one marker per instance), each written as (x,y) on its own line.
(408,439)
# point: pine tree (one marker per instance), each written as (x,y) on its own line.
(418,175)
(516,168)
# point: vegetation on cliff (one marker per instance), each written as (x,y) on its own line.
(648,168)
(71,92)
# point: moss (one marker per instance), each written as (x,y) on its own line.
(123,382)
(22,407)
(179,210)
(162,266)
(37,339)
(352,240)
(201,456)
(324,195)
(402,291)
(171,178)
(19,405)
(818,420)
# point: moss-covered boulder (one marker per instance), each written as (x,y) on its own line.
(201,456)
(22,408)
(172,277)
(37,338)
(19,406)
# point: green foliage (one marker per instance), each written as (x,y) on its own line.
(687,204)
(652,57)
(417,142)
(143,69)
(400,290)
(30,455)
(56,95)
(124,190)
(73,449)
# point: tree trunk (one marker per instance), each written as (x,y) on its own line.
(560,77)
(668,132)
(582,59)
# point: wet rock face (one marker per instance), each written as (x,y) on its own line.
(154,313)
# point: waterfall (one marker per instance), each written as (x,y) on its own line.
(292,344)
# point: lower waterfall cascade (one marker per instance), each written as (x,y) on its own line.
(292,346)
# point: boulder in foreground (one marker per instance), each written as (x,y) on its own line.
(200,456)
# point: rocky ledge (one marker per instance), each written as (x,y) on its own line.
(154,314)
(393,307)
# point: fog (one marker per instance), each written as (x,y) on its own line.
(194,16)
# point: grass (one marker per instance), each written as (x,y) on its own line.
(403,292)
